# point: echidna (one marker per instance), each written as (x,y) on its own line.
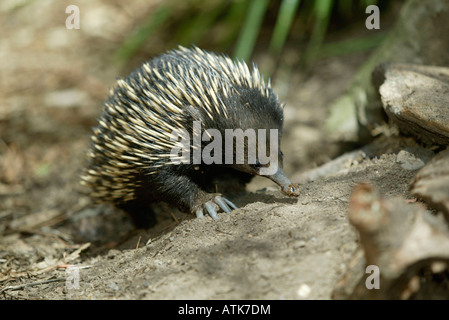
(131,163)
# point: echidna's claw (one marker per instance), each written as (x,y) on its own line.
(199,213)
(231,204)
(222,204)
(211,210)
(215,204)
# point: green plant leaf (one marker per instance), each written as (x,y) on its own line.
(282,27)
(250,30)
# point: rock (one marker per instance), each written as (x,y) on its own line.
(341,123)
(416,99)
(414,158)
(431,183)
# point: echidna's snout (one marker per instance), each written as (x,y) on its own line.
(287,186)
(273,171)
(279,177)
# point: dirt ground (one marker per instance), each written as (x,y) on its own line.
(53,81)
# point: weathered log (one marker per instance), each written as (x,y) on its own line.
(408,245)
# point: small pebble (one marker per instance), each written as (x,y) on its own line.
(113,286)
(304,291)
(413,158)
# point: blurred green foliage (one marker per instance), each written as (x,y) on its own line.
(238,26)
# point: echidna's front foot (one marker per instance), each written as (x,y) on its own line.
(215,204)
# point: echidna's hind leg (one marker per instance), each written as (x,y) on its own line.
(140,212)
